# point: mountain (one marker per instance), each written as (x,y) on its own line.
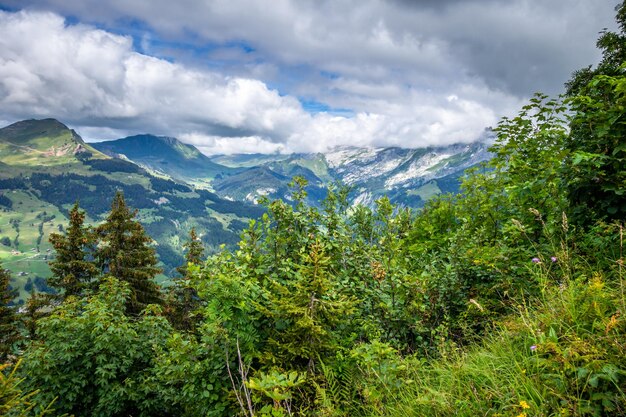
(45,167)
(166,156)
(43,142)
(407,176)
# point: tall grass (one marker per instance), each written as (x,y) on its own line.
(562,354)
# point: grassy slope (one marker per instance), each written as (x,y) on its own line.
(41,143)
(31,252)
(559,355)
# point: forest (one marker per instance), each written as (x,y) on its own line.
(507,299)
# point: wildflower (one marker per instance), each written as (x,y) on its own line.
(524,405)
(533,348)
(536,260)
(553,259)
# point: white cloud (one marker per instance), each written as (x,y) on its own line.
(212,145)
(396,67)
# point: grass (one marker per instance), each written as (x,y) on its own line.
(563,353)
(317,165)
(426,191)
(27,215)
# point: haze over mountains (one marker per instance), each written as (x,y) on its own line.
(45,167)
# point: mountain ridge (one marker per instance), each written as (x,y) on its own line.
(166,156)
(41,140)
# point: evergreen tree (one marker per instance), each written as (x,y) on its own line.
(194,253)
(184,299)
(72,271)
(124,253)
(307,310)
(9,333)
(38,306)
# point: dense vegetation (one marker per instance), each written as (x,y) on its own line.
(507,299)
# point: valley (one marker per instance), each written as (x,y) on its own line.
(45,168)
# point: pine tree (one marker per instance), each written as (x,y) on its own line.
(38,306)
(194,253)
(124,253)
(184,299)
(307,309)
(72,271)
(9,332)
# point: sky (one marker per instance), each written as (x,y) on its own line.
(246,76)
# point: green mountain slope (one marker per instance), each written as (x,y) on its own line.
(167,156)
(46,167)
(43,142)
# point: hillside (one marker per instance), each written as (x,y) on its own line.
(43,142)
(409,177)
(165,156)
(45,167)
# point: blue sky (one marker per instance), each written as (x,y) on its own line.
(284,75)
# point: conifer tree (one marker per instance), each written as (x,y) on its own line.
(38,306)
(72,270)
(194,253)
(307,309)
(9,332)
(124,253)
(185,299)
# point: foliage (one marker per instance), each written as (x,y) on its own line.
(95,359)
(14,401)
(561,354)
(596,171)
(184,302)
(125,254)
(9,330)
(72,269)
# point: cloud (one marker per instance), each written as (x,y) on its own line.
(403,73)
(518,46)
(90,77)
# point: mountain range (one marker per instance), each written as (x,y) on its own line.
(45,167)
(407,176)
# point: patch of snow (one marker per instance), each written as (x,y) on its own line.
(343,156)
(364,199)
(417,169)
(372,170)
(253,196)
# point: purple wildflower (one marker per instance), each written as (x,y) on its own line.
(554,259)
(536,260)
(533,348)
